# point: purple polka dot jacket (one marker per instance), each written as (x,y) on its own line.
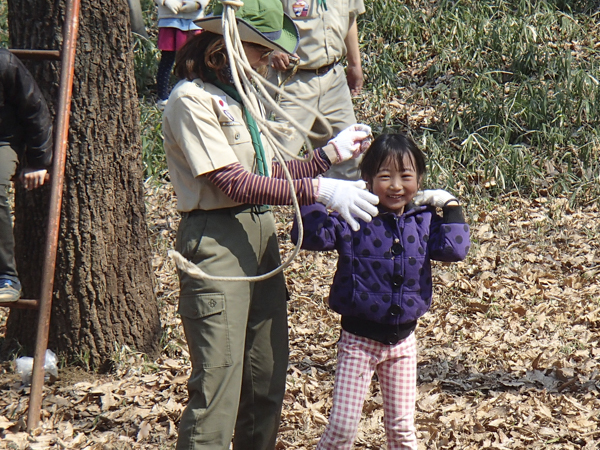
(384,269)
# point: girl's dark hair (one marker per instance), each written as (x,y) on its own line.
(395,146)
(202,53)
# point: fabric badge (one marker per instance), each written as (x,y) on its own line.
(223,106)
(300,8)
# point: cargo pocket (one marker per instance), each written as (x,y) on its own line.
(206,329)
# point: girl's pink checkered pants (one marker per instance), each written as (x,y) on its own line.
(396,366)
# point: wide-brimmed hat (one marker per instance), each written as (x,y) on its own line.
(261,22)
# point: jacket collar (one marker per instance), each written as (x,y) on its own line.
(409,210)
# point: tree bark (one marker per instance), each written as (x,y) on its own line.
(103,286)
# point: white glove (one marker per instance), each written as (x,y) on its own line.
(349,198)
(189,7)
(434,197)
(173,5)
(348,142)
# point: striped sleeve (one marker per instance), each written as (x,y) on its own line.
(302,169)
(246,187)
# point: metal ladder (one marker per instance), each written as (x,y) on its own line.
(61,132)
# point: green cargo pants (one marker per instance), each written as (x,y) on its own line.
(236,331)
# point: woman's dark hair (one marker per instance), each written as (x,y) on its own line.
(202,53)
(395,146)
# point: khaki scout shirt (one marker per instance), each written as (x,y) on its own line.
(204,130)
(322,32)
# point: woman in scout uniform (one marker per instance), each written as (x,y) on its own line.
(224,176)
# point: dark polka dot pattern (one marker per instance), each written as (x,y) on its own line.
(384,267)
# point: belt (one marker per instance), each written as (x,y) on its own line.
(321,70)
(254,209)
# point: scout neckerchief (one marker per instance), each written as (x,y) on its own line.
(261,162)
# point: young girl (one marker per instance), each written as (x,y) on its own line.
(175,25)
(383,285)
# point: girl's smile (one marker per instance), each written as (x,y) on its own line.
(396,186)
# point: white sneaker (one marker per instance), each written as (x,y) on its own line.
(160,104)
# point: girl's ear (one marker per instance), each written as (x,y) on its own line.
(420,184)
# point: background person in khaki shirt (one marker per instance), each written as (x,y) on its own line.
(328,32)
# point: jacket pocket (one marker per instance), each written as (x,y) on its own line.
(204,319)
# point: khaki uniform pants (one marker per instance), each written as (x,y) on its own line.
(236,331)
(8,167)
(330,95)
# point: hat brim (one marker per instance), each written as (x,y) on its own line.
(287,41)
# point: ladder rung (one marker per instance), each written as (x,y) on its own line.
(35,54)
(22,304)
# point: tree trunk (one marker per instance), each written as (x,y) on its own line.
(103,287)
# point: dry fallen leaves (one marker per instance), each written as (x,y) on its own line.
(509,355)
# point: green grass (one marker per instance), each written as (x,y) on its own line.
(511,87)
(3,25)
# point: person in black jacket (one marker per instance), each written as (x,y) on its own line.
(25,143)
